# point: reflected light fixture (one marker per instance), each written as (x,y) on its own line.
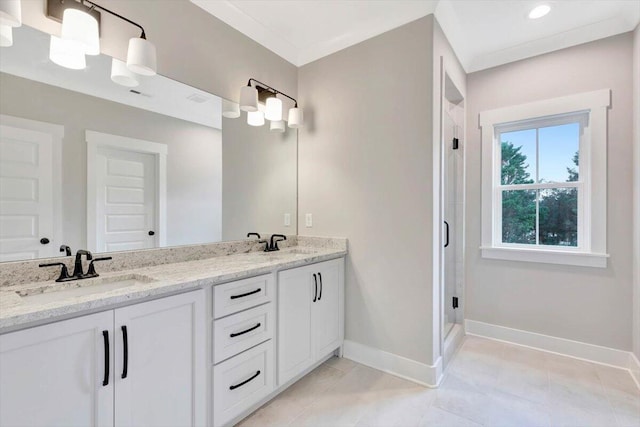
(255,118)
(121,75)
(67,53)
(6,35)
(230,109)
(81,22)
(254,93)
(277,126)
(10,16)
(539,11)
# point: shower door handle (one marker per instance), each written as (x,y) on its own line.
(446,224)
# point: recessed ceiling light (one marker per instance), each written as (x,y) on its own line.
(539,11)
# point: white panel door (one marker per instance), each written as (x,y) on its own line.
(296,293)
(126,200)
(166,372)
(26,194)
(53,375)
(327,310)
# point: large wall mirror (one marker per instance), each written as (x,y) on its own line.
(91,164)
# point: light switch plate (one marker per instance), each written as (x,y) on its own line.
(308,220)
(287,220)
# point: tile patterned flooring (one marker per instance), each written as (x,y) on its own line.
(488,383)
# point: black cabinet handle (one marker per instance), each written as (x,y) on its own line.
(152,233)
(105,338)
(125,350)
(446,224)
(315,287)
(320,276)
(245,295)
(233,387)
(237,334)
(44,241)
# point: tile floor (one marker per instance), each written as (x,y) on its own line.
(488,383)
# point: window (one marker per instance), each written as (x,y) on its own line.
(544,181)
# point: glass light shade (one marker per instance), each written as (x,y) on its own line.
(6,35)
(248,99)
(67,53)
(141,57)
(81,27)
(230,110)
(255,118)
(274,109)
(296,117)
(10,13)
(122,75)
(277,126)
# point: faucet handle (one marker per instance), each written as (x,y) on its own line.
(92,269)
(254,234)
(64,272)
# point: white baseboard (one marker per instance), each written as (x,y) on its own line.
(565,347)
(634,368)
(421,373)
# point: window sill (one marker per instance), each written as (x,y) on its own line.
(582,259)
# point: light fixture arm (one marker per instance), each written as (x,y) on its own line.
(275,91)
(97,6)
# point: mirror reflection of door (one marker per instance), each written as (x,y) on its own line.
(28,217)
(126,199)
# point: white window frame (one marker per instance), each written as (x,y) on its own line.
(592,202)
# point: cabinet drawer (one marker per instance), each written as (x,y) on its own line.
(242,294)
(241,331)
(241,382)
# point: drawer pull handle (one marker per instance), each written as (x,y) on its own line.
(245,295)
(320,276)
(233,387)
(236,334)
(315,288)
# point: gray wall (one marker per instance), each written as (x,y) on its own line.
(193,46)
(636,184)
(365,172)
(194,164)
(583,304)
(262,167)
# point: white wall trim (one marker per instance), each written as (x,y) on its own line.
(97,139)
(582,259)
(417,372)
(579,350)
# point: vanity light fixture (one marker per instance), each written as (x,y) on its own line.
(539,11)
(278,126)
(10,16)
(255,118)
(254,92)
(67,53)
(230,109)
(80,24)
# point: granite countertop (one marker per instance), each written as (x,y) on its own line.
(17,312)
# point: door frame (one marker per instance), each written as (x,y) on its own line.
(96,140)
(57,135)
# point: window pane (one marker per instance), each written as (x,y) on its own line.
(519,216)
(559,217)
(558,154)
(518,157)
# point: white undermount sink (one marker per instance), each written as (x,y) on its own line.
(63,290)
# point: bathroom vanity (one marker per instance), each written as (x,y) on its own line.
(195,343)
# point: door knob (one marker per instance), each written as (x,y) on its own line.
(44,241)
(152,233)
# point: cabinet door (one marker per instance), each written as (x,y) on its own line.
(328,310)
(53,375)
(164,362)
(295,346)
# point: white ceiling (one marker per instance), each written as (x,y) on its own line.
(484,33)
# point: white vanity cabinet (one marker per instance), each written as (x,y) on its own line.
(310,316)
(83,372)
